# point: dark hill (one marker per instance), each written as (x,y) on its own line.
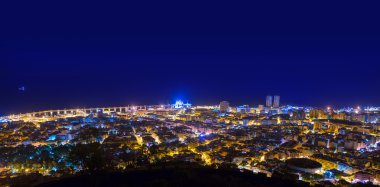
(174,177)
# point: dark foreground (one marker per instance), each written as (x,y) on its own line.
(173,177)
(164,177)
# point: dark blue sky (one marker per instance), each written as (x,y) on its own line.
(70,54)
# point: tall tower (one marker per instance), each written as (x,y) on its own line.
(269,101)
(276,102)
(224,106)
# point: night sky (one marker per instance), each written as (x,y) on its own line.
(71,54)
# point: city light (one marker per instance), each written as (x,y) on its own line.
(312,143)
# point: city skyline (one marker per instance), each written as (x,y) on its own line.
(252,104)
(223,106)
(169,103)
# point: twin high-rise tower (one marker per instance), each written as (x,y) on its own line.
(273,101)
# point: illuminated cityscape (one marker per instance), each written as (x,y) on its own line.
(314,145)
(189,93)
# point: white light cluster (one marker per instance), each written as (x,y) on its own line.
(3,120)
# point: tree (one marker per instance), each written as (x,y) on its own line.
(90,157)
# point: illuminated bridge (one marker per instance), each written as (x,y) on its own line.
(86,111)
